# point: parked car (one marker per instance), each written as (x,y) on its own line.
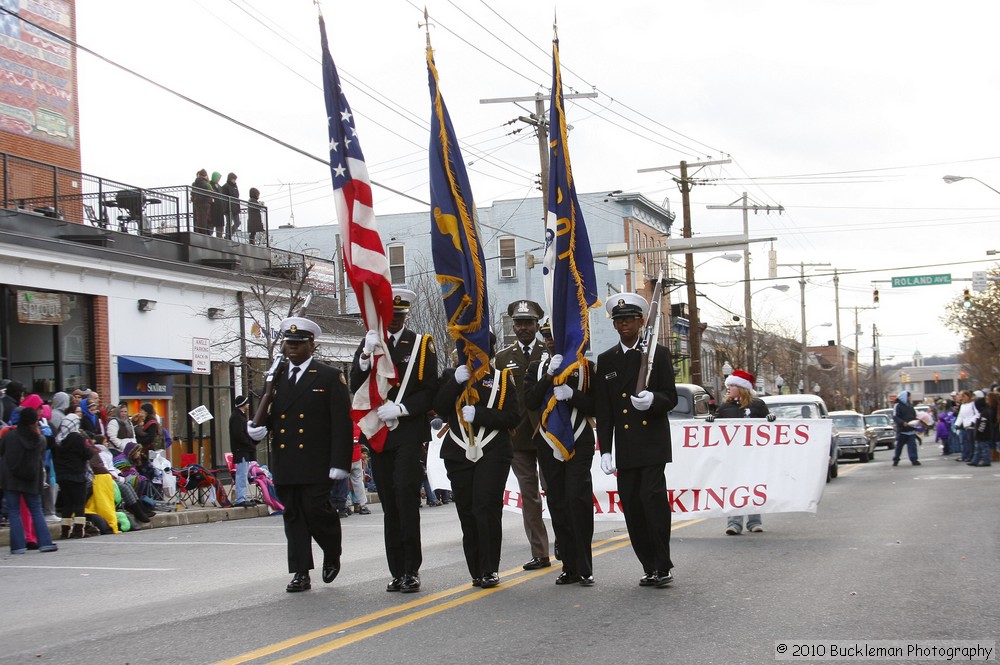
(804,406)
(880,428)
(692,402)
(852,438)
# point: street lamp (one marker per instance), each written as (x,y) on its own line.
(748,296)
(694,326)
(950,179)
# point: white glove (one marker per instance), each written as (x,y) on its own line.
(771,417)
(469,413)
(710,418)
(562,392)
(643,400)
(256,433)
(555,362)
(371,341)
(339,474)
(606,466)
(389,411)
(462,373)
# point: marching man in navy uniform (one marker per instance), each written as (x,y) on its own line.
(477,451)
(397,469)
(636,425)
(527,349)
(569,486)
(312,438)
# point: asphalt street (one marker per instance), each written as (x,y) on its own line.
(905,553)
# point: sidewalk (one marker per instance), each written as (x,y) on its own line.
(189,515)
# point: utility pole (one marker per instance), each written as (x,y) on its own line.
(541,125)
(802,297)
(875,366)
(745,207)
(685,184)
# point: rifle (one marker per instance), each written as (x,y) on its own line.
(260,415)
(650,334)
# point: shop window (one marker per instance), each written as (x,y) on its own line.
(508,258)
(397,264)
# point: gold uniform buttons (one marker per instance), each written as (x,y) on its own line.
(301,431)
(624,394)
(282,416)
(301,446)
(623,411)
(282,446)
(301,416)
(626,427)
(281,431)
(643,423)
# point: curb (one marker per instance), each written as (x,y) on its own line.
(188,515)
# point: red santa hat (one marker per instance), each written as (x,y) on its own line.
(741,379)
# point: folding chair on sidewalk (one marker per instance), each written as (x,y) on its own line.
(253,491)
(197,485)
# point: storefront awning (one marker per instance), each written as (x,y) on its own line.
(143,365)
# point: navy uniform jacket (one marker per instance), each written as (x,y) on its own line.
(311,427)
(641,438)
(583,402)
(420,390)
(512,358)
(502,417)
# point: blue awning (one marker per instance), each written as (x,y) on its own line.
(143,365)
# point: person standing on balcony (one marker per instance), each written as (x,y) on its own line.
(255,222)
(231,206)
(218,217)
(201,202)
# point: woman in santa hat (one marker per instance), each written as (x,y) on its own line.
(742,402)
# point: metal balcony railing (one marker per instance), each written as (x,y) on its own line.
(81,198)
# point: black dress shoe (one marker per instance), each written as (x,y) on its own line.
(300,582)
(489,581)
(395,585)
(587,581)
(661,580)
(410,583)
(567,578)
(477,581)
(330,571)
(647,580)
(537,562)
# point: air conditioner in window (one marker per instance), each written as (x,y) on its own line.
(506,273)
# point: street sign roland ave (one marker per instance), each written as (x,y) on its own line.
(921,280)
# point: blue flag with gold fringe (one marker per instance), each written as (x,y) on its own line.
(455,241)
(568,269)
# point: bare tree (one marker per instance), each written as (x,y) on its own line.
(977,323)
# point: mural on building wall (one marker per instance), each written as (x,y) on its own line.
(36,72)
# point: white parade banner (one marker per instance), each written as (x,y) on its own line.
(729,467)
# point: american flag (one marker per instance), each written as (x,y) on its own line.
(364,257)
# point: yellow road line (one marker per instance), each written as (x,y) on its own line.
(600,547)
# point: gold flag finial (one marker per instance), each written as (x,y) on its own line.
(555,25)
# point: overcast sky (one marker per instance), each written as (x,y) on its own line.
(847,113)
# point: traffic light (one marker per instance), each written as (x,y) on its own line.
(875,298)
(936,377)
(966,299)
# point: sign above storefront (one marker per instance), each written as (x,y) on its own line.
(159,386)
(46,309)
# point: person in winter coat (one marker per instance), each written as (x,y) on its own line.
(21,452)
(201,201)
(742,402)
(13,394)
(70,457)
(217,218)
(255,221)
(231,206)
(148,434)
(905,418)
(985,430)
